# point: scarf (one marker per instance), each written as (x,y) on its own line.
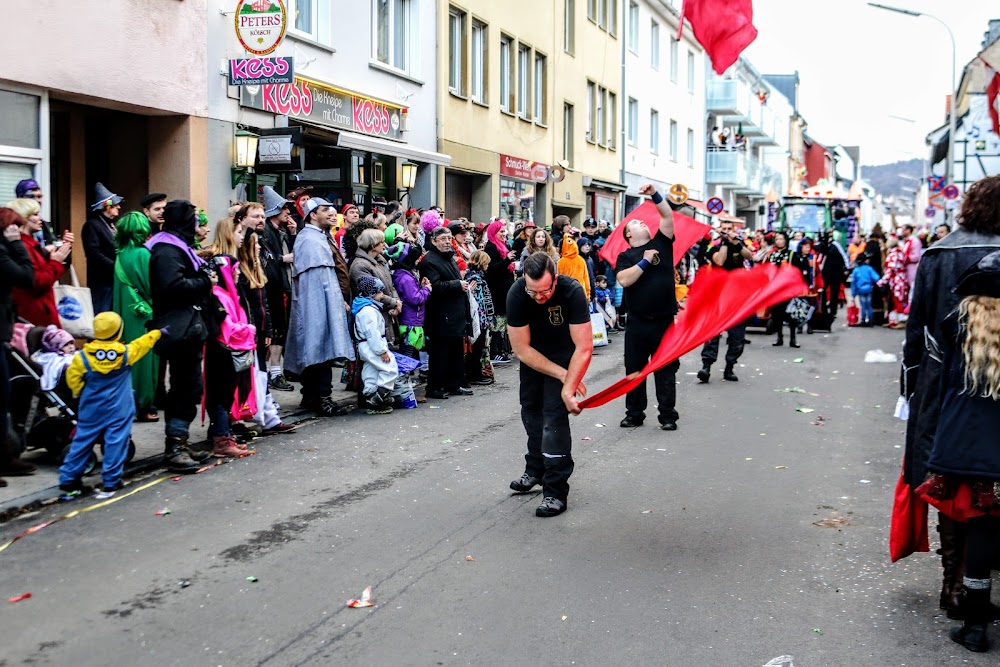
(492,233)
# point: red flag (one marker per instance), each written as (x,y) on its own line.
(718,300)
(723,27)
(687,231)
(992,92)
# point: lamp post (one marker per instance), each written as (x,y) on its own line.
(953,112)
(246,155)
(408,178)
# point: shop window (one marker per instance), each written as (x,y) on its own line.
(312,19)
(19,120)
(523,80)
(540,96)
(456,51)
(393,21)
(506,73)
(603,206)
(517,200)
(480,56)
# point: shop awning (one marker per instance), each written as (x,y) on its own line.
(394,148)
(591,182)
(723,217)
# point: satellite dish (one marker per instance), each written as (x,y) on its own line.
(557,174)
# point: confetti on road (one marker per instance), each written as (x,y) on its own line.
(252,580)
(799,360)
(163,512)
(364,601)
(804,411)
(469,558)
(588,438)
(866,481)
(27,596)
(781,467)
(599,425)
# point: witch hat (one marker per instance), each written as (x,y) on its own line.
(105,198)
(273,202)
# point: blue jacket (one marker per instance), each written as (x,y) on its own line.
(863,279)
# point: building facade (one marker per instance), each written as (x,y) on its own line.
(132,114)
(528,109)
(664,103)
(359,115)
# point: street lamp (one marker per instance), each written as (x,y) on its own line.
(246,155)
(953,112)
(408,178)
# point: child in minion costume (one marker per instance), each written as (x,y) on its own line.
(101,376)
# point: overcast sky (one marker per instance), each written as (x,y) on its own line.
(859,66)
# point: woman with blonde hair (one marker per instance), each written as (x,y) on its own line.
(964,463)
(38,304)
(226,239)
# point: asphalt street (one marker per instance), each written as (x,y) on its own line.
(755,531)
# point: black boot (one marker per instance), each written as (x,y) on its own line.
(704,373)
(972,634)
(791,339)
(952,552)
(178,458)
(780,340)
(729,375)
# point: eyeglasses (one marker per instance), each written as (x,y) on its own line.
(541,292)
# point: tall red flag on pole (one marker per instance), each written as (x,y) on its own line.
(992,103)
(723,27)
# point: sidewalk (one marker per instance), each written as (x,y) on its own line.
(26,492)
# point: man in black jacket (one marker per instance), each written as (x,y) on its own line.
(448,317)
(977,235)
(15,271)
(98,237)
(180,285)
(276,246)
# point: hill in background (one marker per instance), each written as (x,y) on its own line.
(890,179)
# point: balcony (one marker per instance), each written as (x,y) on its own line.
(728,97)
(729,168)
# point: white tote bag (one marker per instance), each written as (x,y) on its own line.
(599,328)
(76,309)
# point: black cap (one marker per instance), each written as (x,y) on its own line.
(152,198)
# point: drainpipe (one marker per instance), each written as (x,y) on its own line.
(623,102)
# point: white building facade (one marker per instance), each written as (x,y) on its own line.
(362,105)
(663,107)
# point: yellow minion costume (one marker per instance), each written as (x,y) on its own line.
(100,374)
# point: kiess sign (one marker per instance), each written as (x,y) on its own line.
(256,71)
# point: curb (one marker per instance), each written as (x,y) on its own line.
(35,500)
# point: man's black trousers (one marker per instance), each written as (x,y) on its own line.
(546,421)
(642,337)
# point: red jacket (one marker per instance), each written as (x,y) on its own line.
(38,304)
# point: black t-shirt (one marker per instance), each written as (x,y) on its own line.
(549,322)
(734,260)
(652,297)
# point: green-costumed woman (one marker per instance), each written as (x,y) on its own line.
(133,302)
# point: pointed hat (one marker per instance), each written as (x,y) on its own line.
(273,202)
(104,197)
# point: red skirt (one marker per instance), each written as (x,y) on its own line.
(962,498)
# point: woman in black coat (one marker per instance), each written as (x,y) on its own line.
(448,317)
(965,460)
(499,279)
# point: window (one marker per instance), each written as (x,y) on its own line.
(633,26)
(591,93)
(612,120)
(601,120)
(480,56)
(690,148)
(633,121)
(673,140)
(456,51)
(392,33)
(523,80)
(612,17)
(654,131)
(605,14)
(592,9)
(312,19)
(506,72)
(654,45)
(690,72)
(540,97)
(673,59)
(567,153)
(569,26)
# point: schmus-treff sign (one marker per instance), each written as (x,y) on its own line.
(326,105)
(528,170)
(260,25)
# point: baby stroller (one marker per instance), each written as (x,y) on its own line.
(40,419)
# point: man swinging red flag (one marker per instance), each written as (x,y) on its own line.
(723,27)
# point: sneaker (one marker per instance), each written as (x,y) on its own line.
(525,484)
(325,407)
(76,487)
(482,382)
(629,422)
(550,507)
(437,394)
(461,391)
(279,383)
(109,491)
(378,409)
(279,428)
(501,360)
(246,430)
(224,446)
